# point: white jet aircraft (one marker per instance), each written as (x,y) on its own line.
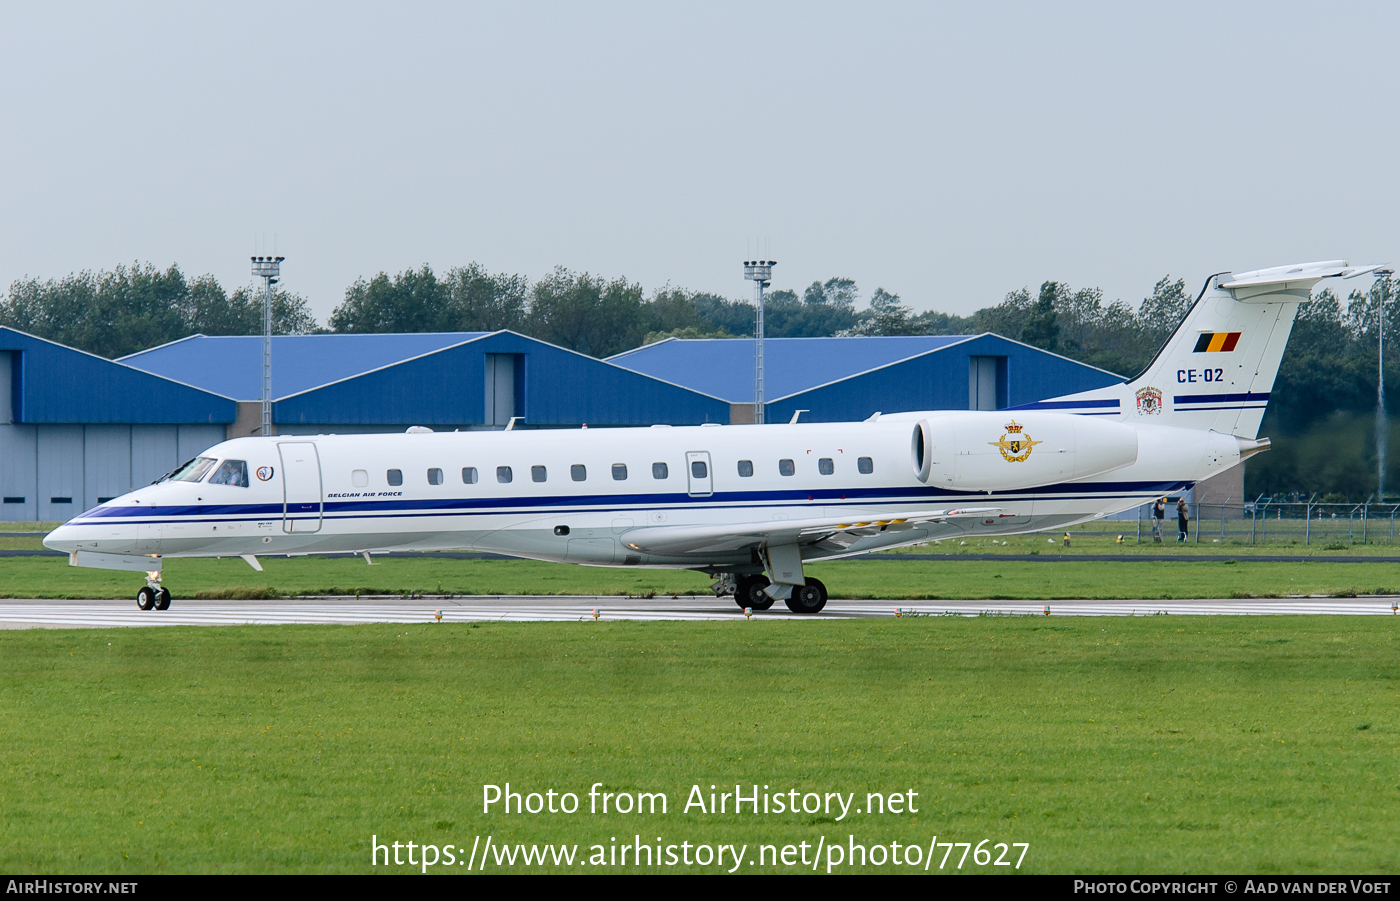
(747,504)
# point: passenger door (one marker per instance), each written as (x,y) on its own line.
(701,478)
(301,487)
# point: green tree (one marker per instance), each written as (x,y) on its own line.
(887,315)
(129,309)
(478,301)
(412,301)
(736,317)
(585,313)
(1042,326)
(932,322)
(1321,412)
(242,314)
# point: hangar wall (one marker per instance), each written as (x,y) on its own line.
(76,429)
(483,382)
(54,472)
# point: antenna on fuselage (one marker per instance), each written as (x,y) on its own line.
(760,272)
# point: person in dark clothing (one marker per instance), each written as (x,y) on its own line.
(1159,513)
(1182,515)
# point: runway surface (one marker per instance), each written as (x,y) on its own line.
(28,614)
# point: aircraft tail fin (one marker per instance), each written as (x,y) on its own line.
(1217,369)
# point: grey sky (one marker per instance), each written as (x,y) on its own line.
(947,153)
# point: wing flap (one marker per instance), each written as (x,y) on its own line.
(718,537)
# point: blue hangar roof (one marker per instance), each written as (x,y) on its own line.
(52,383)
(433,379)
(724,367)
(842,379)
(232,365)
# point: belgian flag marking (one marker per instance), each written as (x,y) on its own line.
(1216,342)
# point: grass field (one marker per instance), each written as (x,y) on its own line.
(1157,745)
(51,577)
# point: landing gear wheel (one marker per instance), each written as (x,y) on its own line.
(146,599)
(750,593)
(163,599)
(809,598)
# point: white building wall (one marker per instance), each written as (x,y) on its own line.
(19,455)
(60,471)
(106,463)
(154,452)
(194,440)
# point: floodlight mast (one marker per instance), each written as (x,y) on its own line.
(1382,425)
(269,269)
(760,272)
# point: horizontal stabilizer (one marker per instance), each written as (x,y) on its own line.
(1299,272)
(736,536)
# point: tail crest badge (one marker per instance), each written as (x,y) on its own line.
(1149,401)
(1014,447)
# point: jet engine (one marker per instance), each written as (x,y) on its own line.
(1008,451)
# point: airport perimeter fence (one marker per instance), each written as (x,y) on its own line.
(1330,526)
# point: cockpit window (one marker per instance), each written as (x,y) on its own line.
(194,470)
(231,472)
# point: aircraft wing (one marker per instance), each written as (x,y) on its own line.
(736,536)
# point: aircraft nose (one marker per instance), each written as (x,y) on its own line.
(64,538)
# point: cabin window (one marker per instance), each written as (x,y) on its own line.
(192,471)
(468,475)
(786,468)
(359,478)
(578,472)
(60,500)
(504,475)
(619,471)
(538,474)
(14,500)
(435,476)
(698,469)
(826,466)
(395,477)
(865,465)
(660,471)
(746,469)
(231,472)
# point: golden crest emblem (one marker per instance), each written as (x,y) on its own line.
(1014,446)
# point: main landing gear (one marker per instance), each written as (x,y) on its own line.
(154,596)
(750,594)
(809,598)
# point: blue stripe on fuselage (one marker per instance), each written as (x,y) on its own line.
(1068,405)
(1248,397)
(368,509)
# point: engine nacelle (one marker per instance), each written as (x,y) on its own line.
(1006,451)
